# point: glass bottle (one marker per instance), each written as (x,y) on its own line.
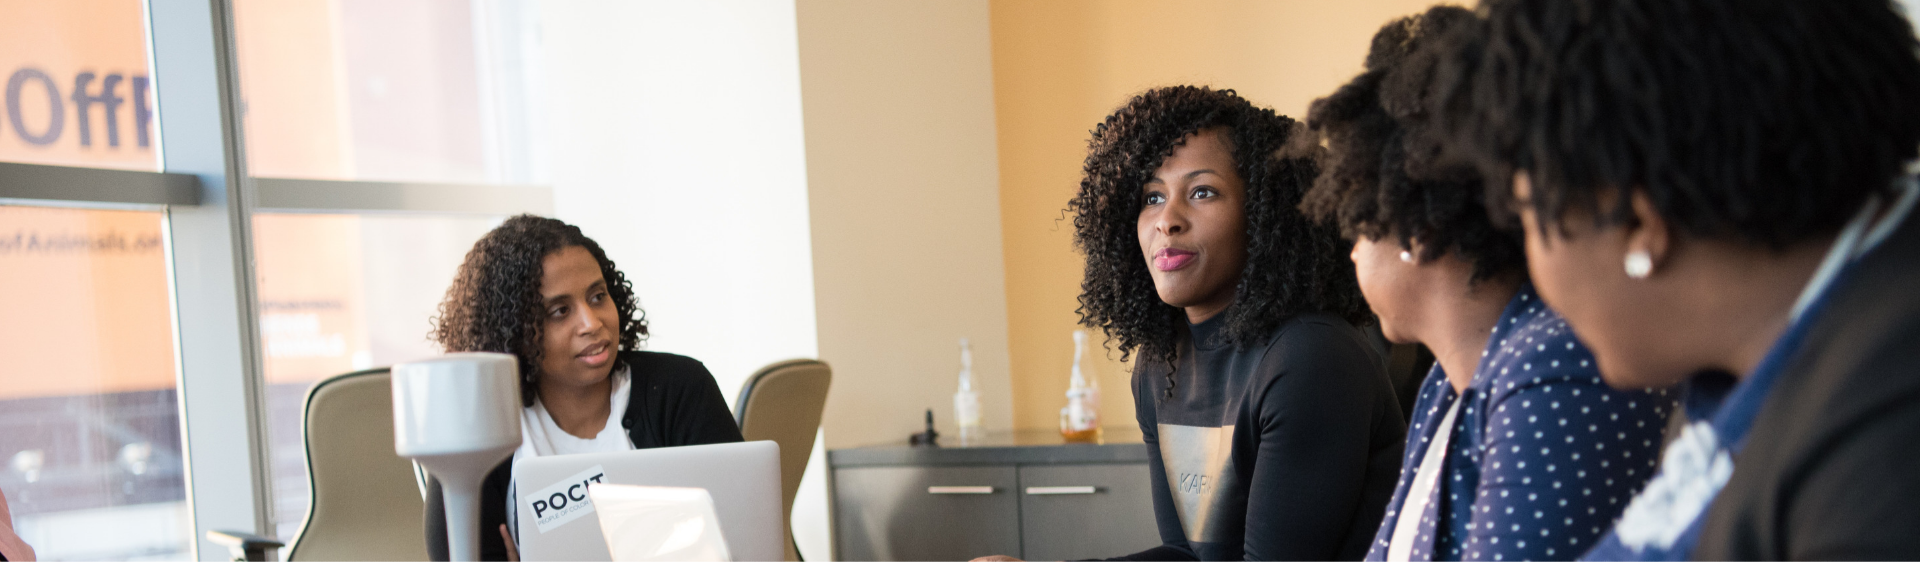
(1080,419)
(966,401)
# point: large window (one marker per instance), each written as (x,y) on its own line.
(341,293)
(381,139)
(433,91)
(420,107)
(247,196)
(89,423)
(89,414)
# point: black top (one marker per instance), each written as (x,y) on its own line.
(1286,450)
(1831,468)
(674,402)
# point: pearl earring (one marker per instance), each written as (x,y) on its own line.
(1406,256)
(1639,264)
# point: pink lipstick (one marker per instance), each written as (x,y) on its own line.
(1172,259)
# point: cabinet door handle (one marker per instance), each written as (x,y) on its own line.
(1063,490)
(960,489)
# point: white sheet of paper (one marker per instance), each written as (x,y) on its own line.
(653,524)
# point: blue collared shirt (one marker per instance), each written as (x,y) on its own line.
(1543,455)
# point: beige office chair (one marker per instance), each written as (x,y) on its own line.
(365,506)
(783,402)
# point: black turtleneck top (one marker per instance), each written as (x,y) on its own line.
(1282,450)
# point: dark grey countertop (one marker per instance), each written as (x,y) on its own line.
(1119,445)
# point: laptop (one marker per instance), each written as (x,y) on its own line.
(557,522)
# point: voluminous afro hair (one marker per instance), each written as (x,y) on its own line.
(495,304)
(1293,265)
(1767,122)
(1385,174)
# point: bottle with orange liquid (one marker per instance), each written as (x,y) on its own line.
(1080,419)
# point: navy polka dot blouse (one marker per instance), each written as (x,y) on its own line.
(1543,456)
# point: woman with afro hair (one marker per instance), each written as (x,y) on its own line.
(1494,467)
(1719,194)
(1271,429)
(541,290)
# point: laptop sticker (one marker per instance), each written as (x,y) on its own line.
(561,503)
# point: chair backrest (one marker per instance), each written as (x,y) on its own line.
(365,505)
(783,402)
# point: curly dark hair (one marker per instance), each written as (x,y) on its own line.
(495,304)
(1293,265)
(1766,122)
(1385,174)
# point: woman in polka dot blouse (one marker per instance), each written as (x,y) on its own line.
(1517,450)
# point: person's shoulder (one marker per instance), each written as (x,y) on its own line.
(1842,414)
(1317,331)
(1538,348)
(1858,361)
(1857,368)
(1826,473)
(1862,342)
(1324,349)
(661,368)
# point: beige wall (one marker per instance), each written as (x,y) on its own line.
(902,184)
(1060,66)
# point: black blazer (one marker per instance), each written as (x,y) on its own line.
(674,402)
(1831,469)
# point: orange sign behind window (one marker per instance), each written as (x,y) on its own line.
(83,302)
(76,90)
(77,318)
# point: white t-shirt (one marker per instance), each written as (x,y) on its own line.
(540,436)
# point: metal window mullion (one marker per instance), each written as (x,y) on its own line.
(356,197)
(55,185)
(210,253)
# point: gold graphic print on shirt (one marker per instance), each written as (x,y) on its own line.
(1206,494)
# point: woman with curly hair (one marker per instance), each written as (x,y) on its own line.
(539,289)
(1493,468)
(1718,193)
(1271,429)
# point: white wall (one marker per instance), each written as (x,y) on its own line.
(870,238)
(676,143)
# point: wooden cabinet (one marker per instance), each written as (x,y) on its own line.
(1028,497)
